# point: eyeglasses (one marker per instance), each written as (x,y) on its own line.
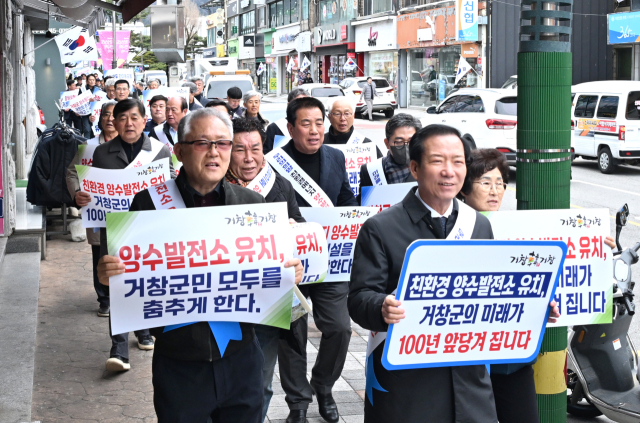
(399,144)
(486,186)
(339,115)
(205,145)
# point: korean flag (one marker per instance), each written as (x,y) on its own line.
(76,44)
(463,68)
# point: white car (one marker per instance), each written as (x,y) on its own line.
(486,118)
(219,82)
(385,102)
(326,93)
(149,76)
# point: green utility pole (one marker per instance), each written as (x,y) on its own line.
(544,158)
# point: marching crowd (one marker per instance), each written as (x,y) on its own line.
(222,146)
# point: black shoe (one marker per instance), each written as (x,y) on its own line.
(328,408)
(297,416)
(145,342)
(103,311)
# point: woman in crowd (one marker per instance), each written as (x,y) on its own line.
(251,100)
(513,384)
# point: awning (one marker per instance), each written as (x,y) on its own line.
(88,15)
(130,8)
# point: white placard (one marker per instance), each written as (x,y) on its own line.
(311,248)
(355,156)
(211,264)
(385,196)
(488,309)
(341,228)
(112,190)
(585,291)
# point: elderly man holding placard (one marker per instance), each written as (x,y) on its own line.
(430,211)
(204,369)
(318,175)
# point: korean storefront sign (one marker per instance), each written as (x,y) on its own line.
(376,36)
(210,264)
(284,40)
(624,28)
(410,25)
(487,309)
(585,289)
(467,20)
(113,190)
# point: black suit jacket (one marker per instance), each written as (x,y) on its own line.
(448,394)
(165,129)
(365,180)
(333,177)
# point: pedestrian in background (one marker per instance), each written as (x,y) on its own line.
(369,93)
(234,98)
(252,100)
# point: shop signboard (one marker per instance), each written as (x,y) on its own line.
(376,36)
(232,8)
(284,40)
(247,47)
(467,20)
(409,25)
(273,84)
(303,42)
(470,50)
(233,48)
(624,28)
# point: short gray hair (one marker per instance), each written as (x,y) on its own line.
(192,87)
(185,124)
(297,92)
(250,94)
(156,80)
(111,82)
(195,78)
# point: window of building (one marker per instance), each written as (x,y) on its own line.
(372,7)
(248,23)
(287,12)
(233,26)
(273,15)
(262,17)
(305,10)
(294,11)
(280,12)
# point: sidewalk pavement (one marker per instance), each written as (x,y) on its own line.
(72,345)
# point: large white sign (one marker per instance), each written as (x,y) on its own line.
(487,309)
(385,196)
(284,39)
(341,227)
(112,190)
(355,156)
(585,291)
(376,36)
(210,264)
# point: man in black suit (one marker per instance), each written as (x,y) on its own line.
(326,167)
(439,161)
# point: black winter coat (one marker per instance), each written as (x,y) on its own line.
(47,184)
(447,394)
(196,342)
(333,177)
(282,191)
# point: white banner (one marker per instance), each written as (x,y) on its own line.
(81,104)
(121,74)
(355,156)
(585,291)
(385,196)
(96,108)
(311,248)
(210,264)
(112,190)
(488,310)
(85,153)
(341,228)
(66,97)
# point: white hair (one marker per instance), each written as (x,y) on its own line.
(184,127)
(250,94)
(110,82)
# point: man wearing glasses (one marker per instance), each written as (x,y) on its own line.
(342,130)
(192,379)
(394,167)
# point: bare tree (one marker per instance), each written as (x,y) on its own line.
(191,24)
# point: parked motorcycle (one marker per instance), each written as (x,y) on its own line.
(602,362)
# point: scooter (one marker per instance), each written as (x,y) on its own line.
(602,362)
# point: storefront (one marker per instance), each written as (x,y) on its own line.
(334,45)
(233,48)
(376,38)
(247,54)
(433,55)
(303,47)
(283,49)
(270,74)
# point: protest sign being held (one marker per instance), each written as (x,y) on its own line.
(96,108)
(488,309)
(81,104)
(385,196)
(112,190)
(585,290)
(356,155)
(341,226)
(66,97)
(210,264)
(311,248)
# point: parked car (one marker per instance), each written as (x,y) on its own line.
(605,122)
(219,82)
(326,93)
(487,118)
(385,102)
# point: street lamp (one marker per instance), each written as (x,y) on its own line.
(544,157)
